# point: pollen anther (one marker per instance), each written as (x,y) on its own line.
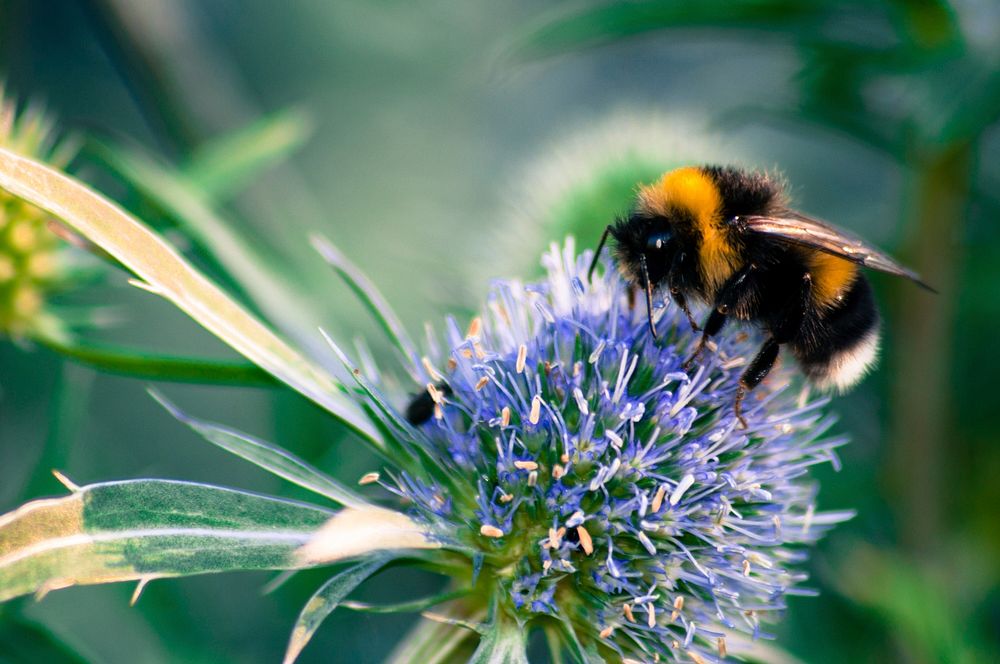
(536,410)
(490,531)
(475,327)
(368,478)
(658,499)
(435,393)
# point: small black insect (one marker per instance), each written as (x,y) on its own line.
(421,406)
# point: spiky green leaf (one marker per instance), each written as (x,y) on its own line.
(326,599)
(148,529)
(144,529)
(227,164)
(271,458)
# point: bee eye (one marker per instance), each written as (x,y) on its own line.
(657,241)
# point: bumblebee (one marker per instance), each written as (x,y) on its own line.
(726,237)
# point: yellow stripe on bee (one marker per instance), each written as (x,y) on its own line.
(692,190)
(831,277)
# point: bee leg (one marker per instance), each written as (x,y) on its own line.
(783,331)
(712,326)
(736,295)
(681,301)
(677,267)
(754,374)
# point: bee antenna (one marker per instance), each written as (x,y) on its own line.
(649,294)
(597,252)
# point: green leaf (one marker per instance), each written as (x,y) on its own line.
(267,456)
(369,295)
(325,600)
(158,366)
(224,166)
(503,643)
(611,22)
(149,529)
(927,607)
(166,273)
(146,529)
(413,606)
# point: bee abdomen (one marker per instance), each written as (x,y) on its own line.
(836,351)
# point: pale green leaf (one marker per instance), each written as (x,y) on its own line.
(166,273)
(225,165)
(326,599)
(271,292)
(271,458)
(146,529)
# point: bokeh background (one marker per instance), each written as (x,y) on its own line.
(445,143)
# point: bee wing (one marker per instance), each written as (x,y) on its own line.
(805,231)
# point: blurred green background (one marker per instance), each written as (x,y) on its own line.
(445,139)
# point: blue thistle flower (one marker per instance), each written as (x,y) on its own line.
(587,479)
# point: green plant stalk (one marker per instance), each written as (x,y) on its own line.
(938,192)
(154,366)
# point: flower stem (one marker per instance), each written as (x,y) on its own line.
(924,348)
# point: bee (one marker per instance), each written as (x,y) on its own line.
(421,406)
(726,237)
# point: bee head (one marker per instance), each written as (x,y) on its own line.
(670,215)
(644,248)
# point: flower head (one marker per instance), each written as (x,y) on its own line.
(31,260)
(590,480)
